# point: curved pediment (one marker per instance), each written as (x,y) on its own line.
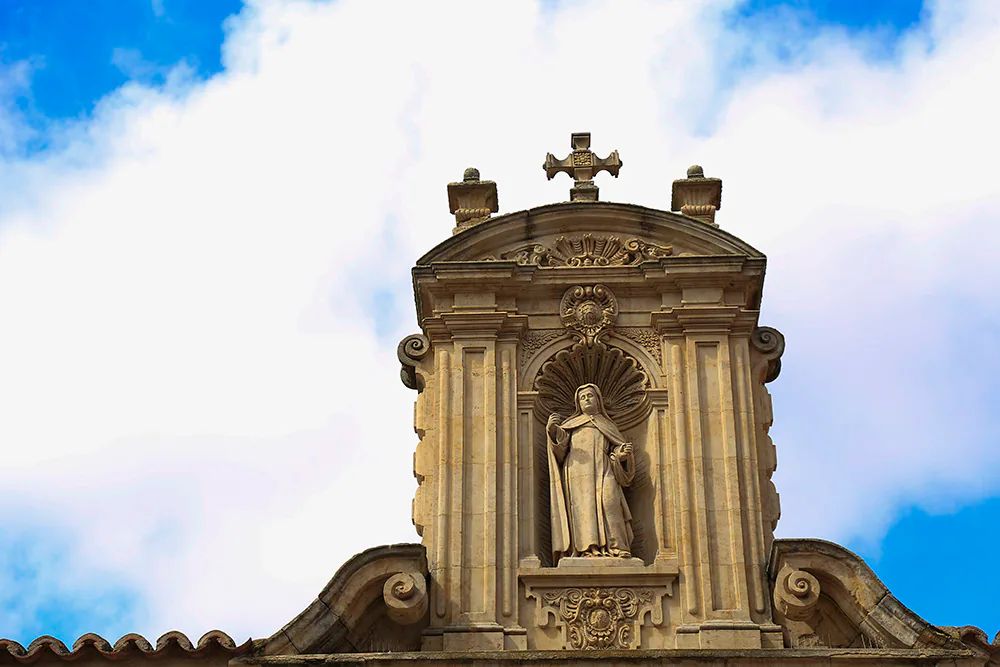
(827,596)
(587,234)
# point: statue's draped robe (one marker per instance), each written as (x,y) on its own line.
(588,507)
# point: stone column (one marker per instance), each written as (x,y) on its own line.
(468,467)
(723,587)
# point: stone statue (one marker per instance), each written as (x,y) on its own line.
(590,463)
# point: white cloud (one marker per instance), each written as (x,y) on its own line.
(193,390)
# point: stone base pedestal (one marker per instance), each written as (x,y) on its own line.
(728,635)
(599,564)
(475,637)
(600,603)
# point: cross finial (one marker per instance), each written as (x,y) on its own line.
(582,165)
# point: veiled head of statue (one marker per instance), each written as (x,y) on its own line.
(589,400)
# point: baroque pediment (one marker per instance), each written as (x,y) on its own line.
(587,234)
(825,596)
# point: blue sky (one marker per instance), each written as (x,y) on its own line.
(72,46)
(94,79)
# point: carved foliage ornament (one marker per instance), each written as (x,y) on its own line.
(588,311)
(534,340)
(599,618)
(644,336)
(588,250)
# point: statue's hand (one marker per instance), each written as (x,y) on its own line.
(624,452)
(553,428)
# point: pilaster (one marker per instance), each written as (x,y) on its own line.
(474,556)
(723,585)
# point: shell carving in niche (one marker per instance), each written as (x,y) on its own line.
(622,381)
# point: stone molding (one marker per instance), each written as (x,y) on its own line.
(477,325)
(703,318)
(511,230)
(645,658)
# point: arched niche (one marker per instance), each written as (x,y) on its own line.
(630,379)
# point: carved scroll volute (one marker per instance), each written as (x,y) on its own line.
(771,345)
(411,350)
(405,596)
(796,593)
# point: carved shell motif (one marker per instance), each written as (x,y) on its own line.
(589,250)
(623,383)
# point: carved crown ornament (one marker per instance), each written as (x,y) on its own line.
(588,311)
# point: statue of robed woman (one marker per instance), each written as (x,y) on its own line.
(590,463)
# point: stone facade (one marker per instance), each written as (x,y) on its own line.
(665,554)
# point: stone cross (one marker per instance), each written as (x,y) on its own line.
(582,165)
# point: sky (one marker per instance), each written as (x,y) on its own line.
(209,210)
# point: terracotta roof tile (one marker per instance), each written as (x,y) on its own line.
(130,645)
